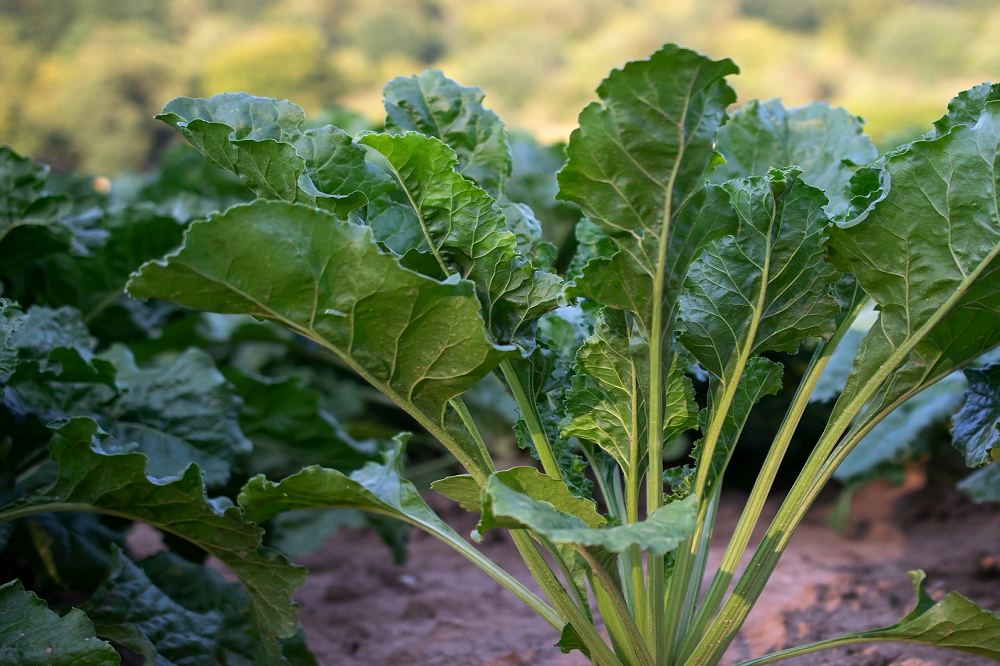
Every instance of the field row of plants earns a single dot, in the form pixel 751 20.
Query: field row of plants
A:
pixel 376 292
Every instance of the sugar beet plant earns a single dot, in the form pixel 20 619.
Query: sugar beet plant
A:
pixel 707 243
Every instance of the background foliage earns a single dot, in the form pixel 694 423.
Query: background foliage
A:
pixel 890 61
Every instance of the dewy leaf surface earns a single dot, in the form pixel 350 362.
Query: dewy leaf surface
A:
pixel 823 142
pixel 975 429
pixel 926 252
pixel 637 166
pixel 91 480
pixel 466 232
pixel 418 340
pixel 260 140
pixel 434 105
pixel 128 609
pixel 660 533
pixel 32 635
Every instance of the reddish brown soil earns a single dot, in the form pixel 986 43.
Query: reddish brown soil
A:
pixel 360 609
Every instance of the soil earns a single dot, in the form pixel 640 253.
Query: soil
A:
pixel 360 609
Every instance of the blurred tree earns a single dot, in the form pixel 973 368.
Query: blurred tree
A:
pixel 415 30
pixel 925 43
pixel 286 62
pixel 799 16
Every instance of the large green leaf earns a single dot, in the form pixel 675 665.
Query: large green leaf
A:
pixel 926 251
pixel 261 140
pixel 975 430
pixel 637 166
pixel 130 610
pixel 511 508
pixel 91 480
pixel 418 340
pixel 434 105
pixel 179 412
pixel 824 142
pixel 466 234
pixel 32 220
pixel 32 635
pixel 765 289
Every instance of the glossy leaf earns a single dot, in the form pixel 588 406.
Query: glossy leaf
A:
pixel 117 485
pixel 765 289
pixel 508 507
pixel 432 104
pixel 607 404
pixel 261 140
pixel 418 340
pixel 637 166
pixel 128 609
pixel 926 251
pixel 466 233
pixel 32 635
pixel 824 142
pixel 966 108
pixel 983 485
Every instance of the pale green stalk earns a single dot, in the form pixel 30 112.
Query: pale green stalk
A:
pixel 529 412
pixel 762 487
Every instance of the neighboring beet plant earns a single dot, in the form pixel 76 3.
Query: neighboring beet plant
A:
pixel 708 243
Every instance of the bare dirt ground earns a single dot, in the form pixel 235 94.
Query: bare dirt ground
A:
pixel 360 609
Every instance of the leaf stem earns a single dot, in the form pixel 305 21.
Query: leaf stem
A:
pixel 762 487
pixel 529 412
pixel 560 599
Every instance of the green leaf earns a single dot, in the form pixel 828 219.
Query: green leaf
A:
pixel 71 549
pixel 95 284
pixel 379 488
pixel 417 340
pixel 289 427
pixel 467 235
pixel 200 589
pixel 983 485
pixel 975 430
pixel 966 108
pixel 180 412
pixel 461 489
pixel 32 220
pixel 90 480
pixel 261 141
pixel 128 609
pixel 606 404
pixel 926 251
pixel 434 105
pixel 32 635
pixel 765 289
pixel 507 507
pixel 637 166
pixel 823 142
